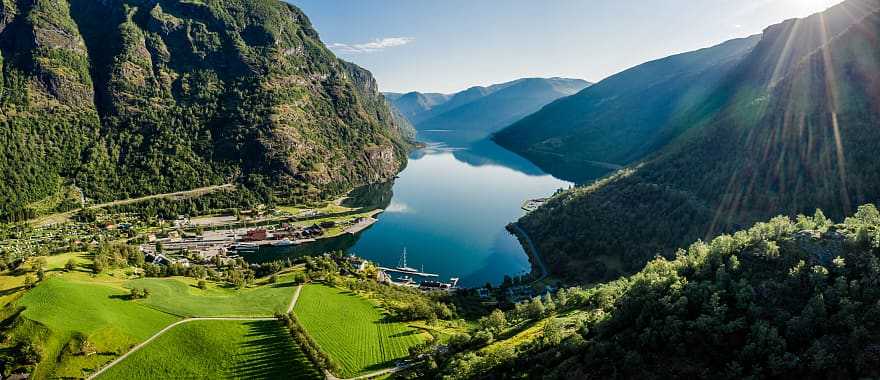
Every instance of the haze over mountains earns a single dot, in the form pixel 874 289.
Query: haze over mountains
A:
pixel 789 126
pixel 483 110
pixel 632 114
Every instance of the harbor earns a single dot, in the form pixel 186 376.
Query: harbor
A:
pixel 407 274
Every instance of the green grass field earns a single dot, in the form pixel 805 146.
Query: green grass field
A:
pixel 62 305
pixel 181 296
pixel 352 330
pixel 218 350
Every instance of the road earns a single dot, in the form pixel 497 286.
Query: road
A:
pixel 533 249
pixel 369 375
pixel 65 216
pixel 188 320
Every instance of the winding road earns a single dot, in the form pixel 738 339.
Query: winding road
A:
pixel 532 248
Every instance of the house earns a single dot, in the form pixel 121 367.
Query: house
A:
pixel 256 235
pixel 483 293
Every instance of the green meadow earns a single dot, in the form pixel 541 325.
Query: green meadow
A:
pixel 182 296
pixel 61 306
pixel 67 304
pixel 218 350
pixel 352 330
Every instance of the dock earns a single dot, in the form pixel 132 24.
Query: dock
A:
pixel 420 274
pixel 360 226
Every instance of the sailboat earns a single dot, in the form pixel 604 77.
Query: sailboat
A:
pixel 402 264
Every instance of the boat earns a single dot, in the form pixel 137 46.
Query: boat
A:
pixel 283 243
pixel 403 268
pixel 245 247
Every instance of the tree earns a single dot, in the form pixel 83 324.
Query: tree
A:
pixel 535 309
pixel 552 332
pixel 549 305
pixel 203 284
pixel 40 263
pixel 70 266
pixel 29 281
pixel 496 321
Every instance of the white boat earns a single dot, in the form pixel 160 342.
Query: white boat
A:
pixel 403 267
pixel 283 243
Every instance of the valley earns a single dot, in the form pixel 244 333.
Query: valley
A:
pixel 212 189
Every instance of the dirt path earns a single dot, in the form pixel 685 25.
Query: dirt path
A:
pixel 166 329
pixel 65 216
pixel 293 300
pixel 386 371
pixel 187 320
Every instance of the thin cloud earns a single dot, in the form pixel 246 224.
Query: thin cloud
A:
pixel 378 44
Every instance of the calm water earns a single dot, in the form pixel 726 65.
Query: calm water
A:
pixel 449 209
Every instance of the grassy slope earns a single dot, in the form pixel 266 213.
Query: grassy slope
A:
pixel 60 306
pixel 12 283
pixel 219 350
pixel 181 296
pixel 351 330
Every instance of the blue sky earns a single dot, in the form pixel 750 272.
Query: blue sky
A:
pixel 449 45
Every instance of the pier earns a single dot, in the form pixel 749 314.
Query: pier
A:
pixel 416 273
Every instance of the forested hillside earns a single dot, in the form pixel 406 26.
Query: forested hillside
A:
pixel 806 141
pixel 790 298
pixel 133 97
pixel 636 113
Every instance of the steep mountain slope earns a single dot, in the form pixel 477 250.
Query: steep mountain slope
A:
pixel 132 97
pixel 784 299
pixel 806 140
pixel 504 106
pixel 637 112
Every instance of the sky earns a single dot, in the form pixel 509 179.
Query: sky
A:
pixel 449 45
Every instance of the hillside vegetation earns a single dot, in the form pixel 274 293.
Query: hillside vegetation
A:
pixel 128 98
pixel 788 298
pixel 807 141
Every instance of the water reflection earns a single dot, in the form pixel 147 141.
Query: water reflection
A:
pixel 449 208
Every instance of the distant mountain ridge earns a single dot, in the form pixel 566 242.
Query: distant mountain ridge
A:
pixel 483 110
pixel 635 113
pixel 791 128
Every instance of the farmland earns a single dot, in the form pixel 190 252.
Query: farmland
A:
pixel 218 350
pixel 63 305
pixel 181 296
pixel 352 331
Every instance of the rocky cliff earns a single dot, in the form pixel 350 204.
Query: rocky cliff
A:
pixel 132 97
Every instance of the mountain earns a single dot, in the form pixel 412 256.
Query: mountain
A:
pixel 414 105
pixel 630 115
pixel 787 138
pixel 483 109
pixel 783 299
pixel 503 105
pixel 133 97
